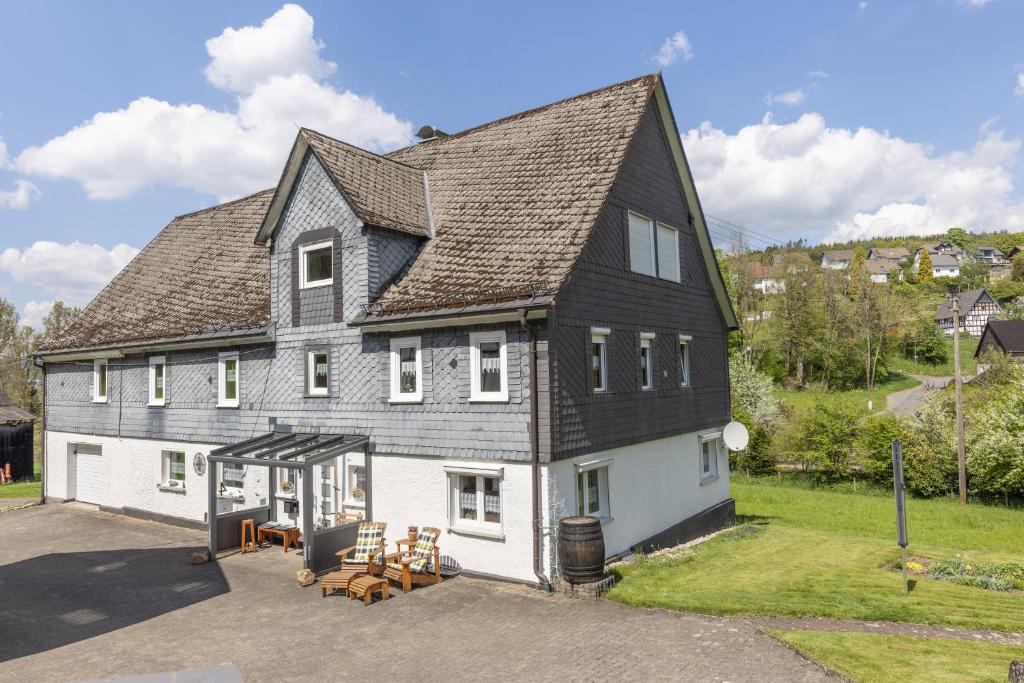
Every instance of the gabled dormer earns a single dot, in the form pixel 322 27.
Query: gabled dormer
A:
pixel 343 224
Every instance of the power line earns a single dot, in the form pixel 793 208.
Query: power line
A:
pixel 741 227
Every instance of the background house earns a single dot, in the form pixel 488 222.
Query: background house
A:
pixel 991 256
pixel 1005 336
pixel 976 307
pixel 765 279
pixel 837 259
pixel 883 270
pixel 896 255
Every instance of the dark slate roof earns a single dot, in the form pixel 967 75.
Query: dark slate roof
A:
pixel 514 201
pixel 944 260
pixel 201 273
pixel 383 192
pixel 12 413
pixel 1008 335
pixel 967 301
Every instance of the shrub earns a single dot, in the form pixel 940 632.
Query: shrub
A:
pixel 827 436
pixel 925 343
pixel 874 445
pixel 758 457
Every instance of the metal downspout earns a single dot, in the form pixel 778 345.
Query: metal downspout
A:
pixel 538 550
pixel 42 434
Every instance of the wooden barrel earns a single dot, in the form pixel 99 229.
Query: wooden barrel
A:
pixel 581 549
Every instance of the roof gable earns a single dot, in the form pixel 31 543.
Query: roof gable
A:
pixel 967 301
pixel 201 273
pixel 1007 335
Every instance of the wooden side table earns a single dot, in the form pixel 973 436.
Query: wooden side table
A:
pixel 365 586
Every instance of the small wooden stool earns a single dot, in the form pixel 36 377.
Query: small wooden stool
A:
pixel 249 536
pixel 364 587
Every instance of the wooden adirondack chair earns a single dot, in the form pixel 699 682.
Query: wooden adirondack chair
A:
pixel 369 544
pixel 421 566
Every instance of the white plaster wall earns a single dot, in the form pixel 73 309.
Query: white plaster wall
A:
pixel 651 487
pixel 410 490
pixel 133 473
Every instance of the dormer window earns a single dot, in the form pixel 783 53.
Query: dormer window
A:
pixel 315 264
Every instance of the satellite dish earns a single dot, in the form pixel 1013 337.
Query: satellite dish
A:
pixel 735 436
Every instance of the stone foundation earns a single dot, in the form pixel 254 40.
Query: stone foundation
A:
pixel 585 591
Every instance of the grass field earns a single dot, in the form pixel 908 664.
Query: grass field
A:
pixel 968 345
pixel 24 489
pixel 802 400
pixel 817 553
pixel 871 658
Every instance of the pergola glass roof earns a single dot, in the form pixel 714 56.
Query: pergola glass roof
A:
pixel 294 450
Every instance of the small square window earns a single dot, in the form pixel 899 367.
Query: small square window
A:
pixel 646 361
pixel 592 492
pixel 228 378
pixel 316 264
pixel 99 381
pixel 406 370
pixel 476 502
pixel 710 447
pixel 599 359
pixel 157 381
pixel 174 469
pixel 489 365
pixel 318 372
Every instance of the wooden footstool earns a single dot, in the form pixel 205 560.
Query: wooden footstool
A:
pixel 364 587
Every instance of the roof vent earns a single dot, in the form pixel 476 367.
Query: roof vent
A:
pixel 429 133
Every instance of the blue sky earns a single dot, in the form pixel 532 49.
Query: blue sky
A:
pixel 823 120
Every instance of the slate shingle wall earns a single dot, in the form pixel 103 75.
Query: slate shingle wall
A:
pixel 273 378
pixel 603 292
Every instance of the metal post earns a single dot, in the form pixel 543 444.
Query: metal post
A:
pixel 307 516
pixel 901 507
pixel 211 506
pixel 960 454
pixel 271 497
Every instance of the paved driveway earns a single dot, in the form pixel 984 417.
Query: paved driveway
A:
pixel 85 594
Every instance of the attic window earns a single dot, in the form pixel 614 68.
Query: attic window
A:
pixel 315 264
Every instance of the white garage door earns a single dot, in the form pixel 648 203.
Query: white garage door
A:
pixel 90 473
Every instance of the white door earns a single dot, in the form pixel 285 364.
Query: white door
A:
pixel 90 479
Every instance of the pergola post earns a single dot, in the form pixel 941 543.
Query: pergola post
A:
pixel 307 515
pixel 211 506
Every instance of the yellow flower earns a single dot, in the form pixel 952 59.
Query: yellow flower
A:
pixel 915 566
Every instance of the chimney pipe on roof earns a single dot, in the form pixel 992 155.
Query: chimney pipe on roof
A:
pixel 429 133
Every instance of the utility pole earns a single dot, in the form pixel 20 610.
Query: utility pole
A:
pixel 960 454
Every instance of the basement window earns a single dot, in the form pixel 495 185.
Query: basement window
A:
pixel 173 465
pixel 315 264
pixel 99 381
pixel 710 446
pixel 157 381
pixel 592 489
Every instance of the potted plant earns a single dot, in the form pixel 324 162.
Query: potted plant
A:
pixel 358 494
pixel 414 533
pixel 286 486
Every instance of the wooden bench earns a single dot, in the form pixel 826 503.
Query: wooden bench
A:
pixel 365 586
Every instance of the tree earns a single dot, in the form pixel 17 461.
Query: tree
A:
pixel 826 437
pixel 1017 266
pixel 58 319
pixel 959 237
pixel 798 318
pixel 858 274
pixel 924 267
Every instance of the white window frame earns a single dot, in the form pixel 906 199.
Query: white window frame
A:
pixel 475 394
pixel 598 335
pixel 684 359
pixel 674 251
pixel 654 250
pixel 396 371
pixel 475 527
pixel 311 388
pixel 350 482
pixel 604 487
pixel 304 281
pixel 712 474
pixel 222 360
pixel 96 396
pixel 155 361
pixel 165 470
pixel 231 489
pixel 647 342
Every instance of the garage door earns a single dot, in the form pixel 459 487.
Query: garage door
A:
pixel 90 473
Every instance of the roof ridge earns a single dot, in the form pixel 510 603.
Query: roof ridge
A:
pixel 653 77
pixel 222 205
pixel 303 130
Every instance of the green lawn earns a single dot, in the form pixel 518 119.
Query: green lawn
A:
pixel 871 658
pixel 816 553
pixel 968 345
pixel 26 489
pixel 802 400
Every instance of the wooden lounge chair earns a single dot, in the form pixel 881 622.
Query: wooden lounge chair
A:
pixel 369 544
pixel 421 566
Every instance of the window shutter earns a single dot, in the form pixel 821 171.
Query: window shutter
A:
pixel 641 245
pixel 668 253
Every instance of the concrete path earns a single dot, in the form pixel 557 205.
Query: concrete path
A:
pixel 885 628
pixel 909 401
pixel 87 594
pixel 11 503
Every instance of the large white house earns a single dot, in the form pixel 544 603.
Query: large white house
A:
pixel 484 332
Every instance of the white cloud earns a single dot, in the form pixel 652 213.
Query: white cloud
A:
pixel 33 313
pixel 277 71
pixel 1020 83
pixel 817 74
pixel 72 272
pixel 863 4
pixel 283 45
pixel 790 98
pixel 973 4
pixel 674 47
pixel 807 179
pixel 23 194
